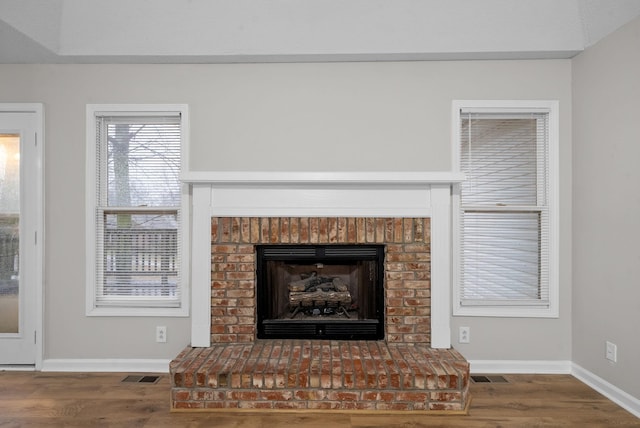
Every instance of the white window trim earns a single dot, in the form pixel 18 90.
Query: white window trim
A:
pixel 92 112
pixel 511 106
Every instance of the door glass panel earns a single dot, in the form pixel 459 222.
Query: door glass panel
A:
pixel 9 232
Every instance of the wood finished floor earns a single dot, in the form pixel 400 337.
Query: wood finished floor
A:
pixel 36 399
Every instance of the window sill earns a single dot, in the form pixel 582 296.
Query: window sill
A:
pixel 137 312
pixel 507 311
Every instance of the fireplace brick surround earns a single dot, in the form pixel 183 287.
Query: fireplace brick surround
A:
pixel 400 373
pixel 407 262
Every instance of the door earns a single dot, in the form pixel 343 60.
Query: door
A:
pixel 20 225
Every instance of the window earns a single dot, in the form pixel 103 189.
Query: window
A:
pixel 505 237
pixel 135 210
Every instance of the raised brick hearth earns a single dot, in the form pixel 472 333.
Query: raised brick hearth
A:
pixel 337 375
pixel 402 372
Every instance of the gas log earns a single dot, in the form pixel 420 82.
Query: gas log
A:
pixel 318 292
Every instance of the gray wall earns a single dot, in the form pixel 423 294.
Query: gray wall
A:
pixel 606 201
pixel 280 117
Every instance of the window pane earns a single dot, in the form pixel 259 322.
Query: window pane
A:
pixel 501 255
pixel 9 233
pixel 499 157
pixel 140 255
pixel 143 165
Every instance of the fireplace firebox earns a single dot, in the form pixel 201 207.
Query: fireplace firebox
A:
pixel 320 292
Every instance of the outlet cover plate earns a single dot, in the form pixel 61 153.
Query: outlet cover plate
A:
pixel 611 352
pixel 464 335
pixel 161 334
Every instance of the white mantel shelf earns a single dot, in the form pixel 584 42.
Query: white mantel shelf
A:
pixel 321 178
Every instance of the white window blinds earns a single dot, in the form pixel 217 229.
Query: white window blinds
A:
pixel 138 211
pixel 504 209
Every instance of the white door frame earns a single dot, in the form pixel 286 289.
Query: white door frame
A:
pixel 37 207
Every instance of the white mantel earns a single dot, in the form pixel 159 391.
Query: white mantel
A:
pixel 331 194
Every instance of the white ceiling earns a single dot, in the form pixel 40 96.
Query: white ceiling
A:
pixel 212 31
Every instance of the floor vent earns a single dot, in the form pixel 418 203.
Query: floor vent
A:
pixel 488 379
pixel 141 379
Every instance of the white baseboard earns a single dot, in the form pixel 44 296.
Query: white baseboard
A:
pixel 520 366
pixel 106 365
pixel 17 368
pixel 612 392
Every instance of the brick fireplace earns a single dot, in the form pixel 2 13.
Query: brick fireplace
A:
pixel 230 368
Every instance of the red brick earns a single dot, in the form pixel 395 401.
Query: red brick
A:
pixel 224 338
pixel 393 406
pixel 245 229
pixel 439 406
pixel 314 229
pixel 239 275
pixel 264 230
pixel 187 405
pixel 289 404
pixel 323 405
pixel 351 230
pixel 218 294
pixel 445 396
pixel 241 258
pixel 255 405
pixel 401 293
pixel 223 267
pixel 284 230
pixel 360 230
pixel 337 395
pixel 408 230
pixel 416 302
pixel 304 230
pixel 276 395
pixel 310 394
pixel 214 405
pixel 274 230
pixel 242 395
pixel 323 230
pixel 341 233
pixel 240 293
pixel 217 276
pixel 421 285
pixel 412 396
pixel 224 249
pixel 402 311
pixel 378 396
pixel 255 229
pixel 214 229
pixel 370 228
pixel 294 230
pixel 405 278
pixel 224 320
pixel 181 395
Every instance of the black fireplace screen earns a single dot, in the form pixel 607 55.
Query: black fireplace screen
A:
pixel 320 291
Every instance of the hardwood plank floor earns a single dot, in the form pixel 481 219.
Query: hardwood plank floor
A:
pixel 36 399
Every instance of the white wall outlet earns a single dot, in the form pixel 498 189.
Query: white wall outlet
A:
pixel 464 335
pixel 161 334
pixel 611 352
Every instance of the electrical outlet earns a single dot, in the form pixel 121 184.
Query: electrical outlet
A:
pixel 161 334
pixel 611 352
pixel 464 335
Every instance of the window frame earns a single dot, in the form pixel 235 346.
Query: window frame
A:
pixel 551 108
pixel 93 111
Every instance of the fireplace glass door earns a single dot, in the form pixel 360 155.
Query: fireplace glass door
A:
pixel 320 291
